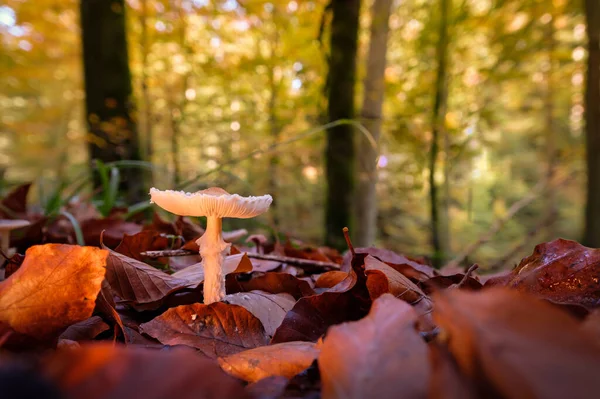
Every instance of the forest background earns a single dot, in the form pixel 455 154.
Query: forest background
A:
pixel 466 128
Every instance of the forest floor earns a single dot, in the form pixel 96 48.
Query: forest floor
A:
pixel 123 317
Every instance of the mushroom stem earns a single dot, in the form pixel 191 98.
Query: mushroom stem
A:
pixel 5 241
pixel 213 251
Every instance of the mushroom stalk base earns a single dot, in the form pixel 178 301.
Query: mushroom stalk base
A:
pixel 213 251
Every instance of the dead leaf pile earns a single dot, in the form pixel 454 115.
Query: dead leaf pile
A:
pixel 115 323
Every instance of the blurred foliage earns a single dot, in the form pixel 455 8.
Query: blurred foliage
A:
pixel 216 77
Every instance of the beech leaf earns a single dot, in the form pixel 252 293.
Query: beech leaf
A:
pixel 218 329
pixel 380 356
pixel 286 360
pixel 270 309
pixel 56 286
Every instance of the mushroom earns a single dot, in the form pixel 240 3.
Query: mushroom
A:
pixel 214 203
pixel 6 225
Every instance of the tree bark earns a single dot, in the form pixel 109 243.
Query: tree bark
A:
pixel 592 125
pixel 112 133
pixel 340 153
pixel 374 86
pixel 438 241
pixel 551 206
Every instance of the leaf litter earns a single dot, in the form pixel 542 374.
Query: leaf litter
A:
pixel 112 323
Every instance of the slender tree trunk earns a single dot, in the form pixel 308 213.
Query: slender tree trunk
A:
pixel 438 119
pixel 592 125
pixel 147 115
pixel 551 209
pixel 374 84
pixel 112 133
pixel 339 154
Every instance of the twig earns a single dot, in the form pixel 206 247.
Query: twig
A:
pixel 499 223
pixel 276 258
pixel 463 281
pixel 348 241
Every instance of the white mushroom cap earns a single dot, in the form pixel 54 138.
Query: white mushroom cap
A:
pixel 213 201
pixel 9 224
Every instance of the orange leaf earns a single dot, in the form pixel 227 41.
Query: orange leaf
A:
pixel 286 360
pixel 55 287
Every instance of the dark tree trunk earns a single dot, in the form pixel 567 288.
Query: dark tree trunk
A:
pixel 112 131
pixel 339 154
pixel 592 125
pixel 438 241
pixel 374 83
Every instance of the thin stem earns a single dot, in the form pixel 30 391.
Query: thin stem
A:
pixel 213 251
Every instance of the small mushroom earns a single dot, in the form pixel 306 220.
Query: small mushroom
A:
pixel 6 225
pixel 214 203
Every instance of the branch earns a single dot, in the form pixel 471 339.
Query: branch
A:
pixel 302 263
pixel 538 190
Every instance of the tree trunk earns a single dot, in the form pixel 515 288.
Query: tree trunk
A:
pixel 374 86
pixel 550 150
pixel 146 129
pixel 339 154
pixel 592 125
pixel 112 134
pixel 439 245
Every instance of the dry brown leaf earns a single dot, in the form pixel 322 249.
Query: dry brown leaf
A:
pixel 446 380
pixel 382 278
pixel 137 283
pixel 275 283
pixel 520 346
pixel 101 371
pixel 330 279
pixel 270 309
pixel 133 245
pixel 56 286
pixel 561 271
pixel 218 329
pixel 85 330
pixel 380 356
pixel 286 360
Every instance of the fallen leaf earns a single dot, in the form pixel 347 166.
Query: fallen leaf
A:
pixel 16 202
pixel 311 316
pixel 107 231
pixel 139 284
pixel 561 271
pixel 446 380
pixel 268 388
pixel 275 283
pixel 270 309
pixel 393 259
pixel 188 229
pixel 591 325
pixel 218 329
pixel 85 330
pixel 380 356
pixel 382 278
pixel 286 360
pixel 518 345
pixel 133 245
pixel 444 282
pixel 330 279
pixel 55 287
pixel 101 370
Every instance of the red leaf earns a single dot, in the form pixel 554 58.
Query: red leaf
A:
pixel 561 271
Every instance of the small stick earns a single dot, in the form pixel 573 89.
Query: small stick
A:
pixel 283 259
pixel 348 241
pixel 467 275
